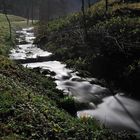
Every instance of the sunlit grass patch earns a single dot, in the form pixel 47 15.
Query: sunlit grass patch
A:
pixel 12 18
pixel 5 42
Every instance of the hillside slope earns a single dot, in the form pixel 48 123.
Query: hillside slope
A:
pixel 111 49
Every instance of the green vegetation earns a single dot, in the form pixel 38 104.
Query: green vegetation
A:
pixel 11 18
pixel 111 50
pixel 5 43
pixel 30 105
pixel 27 110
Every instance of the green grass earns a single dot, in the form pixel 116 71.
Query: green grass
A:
pixel 5 43
pixel 12 18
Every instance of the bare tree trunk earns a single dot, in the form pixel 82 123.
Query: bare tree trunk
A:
pixel 10 27
pixel 32 11
pixel 84 20
pixel 28 11
pixel 9 23
pixel 28 15
pixel 89 3
pixel 44 11
pixel 106 5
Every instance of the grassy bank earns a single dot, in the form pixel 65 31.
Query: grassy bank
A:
pixel 30 105
pixel 5 42
pixel 111 50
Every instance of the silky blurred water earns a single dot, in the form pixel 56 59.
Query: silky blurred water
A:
pixel 117 112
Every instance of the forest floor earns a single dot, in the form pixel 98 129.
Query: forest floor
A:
pixel 30 104
pixel 111 49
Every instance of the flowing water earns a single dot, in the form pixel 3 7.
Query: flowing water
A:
pixel 117 112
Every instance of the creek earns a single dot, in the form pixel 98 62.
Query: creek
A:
pixel 117 112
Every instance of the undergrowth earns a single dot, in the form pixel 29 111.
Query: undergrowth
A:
pixel 111 49
pixel 30 106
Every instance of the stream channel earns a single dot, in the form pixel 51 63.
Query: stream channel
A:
pixel 117 112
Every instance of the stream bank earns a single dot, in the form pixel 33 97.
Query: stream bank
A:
pixel 117 112
pixel 28 105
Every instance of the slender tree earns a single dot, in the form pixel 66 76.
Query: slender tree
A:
pixel 28 11
pixel 106 5
pixel 89 3
pixel 84 20
pixel 8 20
pixel 44 11
pixel 32 11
